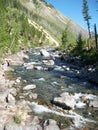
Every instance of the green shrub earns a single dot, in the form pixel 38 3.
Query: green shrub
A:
pixel 17 119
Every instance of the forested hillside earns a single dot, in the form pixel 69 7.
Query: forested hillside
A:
pixel 16 33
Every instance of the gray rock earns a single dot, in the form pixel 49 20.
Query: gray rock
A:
pixel 44 53
pixel 13 126
pixel 30 67
pixel 51 125
pixel 38 67
pixel 3 97
pixel 41 79
pixel 11 99
pixel 48 62
pixel 13 91
pixel 66 102
pixel 94 103
pixel 36 120
pixel 33 95
pixel 9 83
pixel 36 127
pixel 29 87
pixel 17 59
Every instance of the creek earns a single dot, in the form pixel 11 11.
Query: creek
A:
pixel 52 77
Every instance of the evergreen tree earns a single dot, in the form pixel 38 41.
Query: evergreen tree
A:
pixel 86 15
pixel 67 39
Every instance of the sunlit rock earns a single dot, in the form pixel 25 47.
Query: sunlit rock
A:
pixel 66 102
pixel 33 95
pixel 38 67
pixel 48 62
pixel 44 53
pixel 51 125
pixel 30 67
pixel 29 87
pixel 11 99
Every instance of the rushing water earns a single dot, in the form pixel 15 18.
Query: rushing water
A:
pixel 52 80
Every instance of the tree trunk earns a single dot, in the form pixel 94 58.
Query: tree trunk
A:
pixel 96 40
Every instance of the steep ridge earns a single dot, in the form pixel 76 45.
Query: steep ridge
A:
pixel 51 19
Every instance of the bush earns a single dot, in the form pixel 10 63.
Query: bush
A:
pixel 17 119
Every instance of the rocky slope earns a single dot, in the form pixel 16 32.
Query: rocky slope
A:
pixel 54 21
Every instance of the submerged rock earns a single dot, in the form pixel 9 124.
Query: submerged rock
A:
pixel 29 87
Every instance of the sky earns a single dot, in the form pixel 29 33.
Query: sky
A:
pixel 73 10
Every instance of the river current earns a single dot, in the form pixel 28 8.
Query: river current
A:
pixel 52 77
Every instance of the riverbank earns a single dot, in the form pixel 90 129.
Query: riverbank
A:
pixel 19 114
pixel 90 71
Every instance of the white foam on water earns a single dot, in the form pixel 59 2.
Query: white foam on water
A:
pixel 78 120
pixel 39 108
pixel 36 53
pixel 90 96
pixel 30 63
pixel 80 105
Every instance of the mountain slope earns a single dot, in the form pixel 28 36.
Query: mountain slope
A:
pixel 16 32
pixel 51 19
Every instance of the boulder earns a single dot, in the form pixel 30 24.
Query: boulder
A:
pixel 30 67
pixel 44 53
pixel 66 102
pixel 3 97
pixel 94 103
pixel 36 120
pixel 33 95
pixel 12 91
pixel 16 59
pixel 48 62
pixel 51 125
pixel 38 67
pixel 10 99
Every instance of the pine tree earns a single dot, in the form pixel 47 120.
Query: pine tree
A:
pixel 86 15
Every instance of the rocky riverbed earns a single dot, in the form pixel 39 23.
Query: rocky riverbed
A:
pixel 40 91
